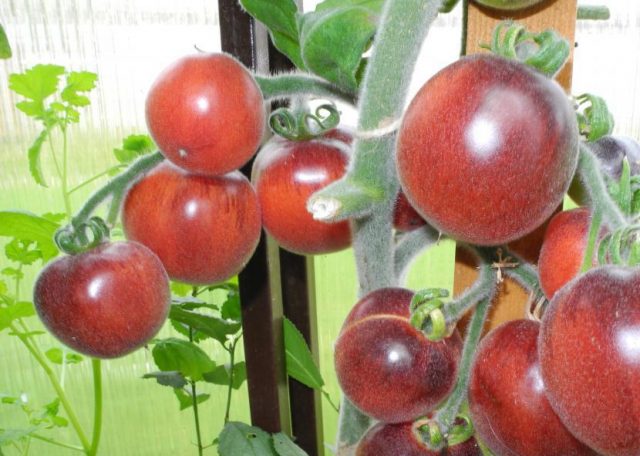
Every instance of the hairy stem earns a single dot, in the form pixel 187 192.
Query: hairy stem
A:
pixel 96 366
pixel 283 86
pixel 95 178
pixel 410 245
pixel 56 443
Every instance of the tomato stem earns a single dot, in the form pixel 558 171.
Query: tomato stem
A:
pixel 593 12
pixel 594 229
pixel 410 245
pixel 96 366
pixel 283 86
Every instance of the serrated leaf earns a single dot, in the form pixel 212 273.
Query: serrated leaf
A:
pixel 78 82
pixel 55 355
pixel 214 327
pixel 19 251
pixel 186 400
pixel 35 165
pixel 5 48
pixel 299 361
pixel 173 379
pixel 220 375
pixel 280 18
pixel 37 83
pixel 134 146
pixel 182 356
pixel 284 446
pixel 350 29
pixel 241 439
pixel 20 309
pixel 27 226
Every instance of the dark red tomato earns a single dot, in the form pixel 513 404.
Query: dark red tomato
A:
pixel 405 217
pixel 285 174
pixel 205 112
pixel 402 440
pixel 203 228
pixel 487 149
pixel 106 302
pixel 589 348
pixel 386 367
pixel 509 5
pixel 563 249
pixel 509 408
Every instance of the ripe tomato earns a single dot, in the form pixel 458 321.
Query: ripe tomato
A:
pixel 105 302
pixel 386 367
pixel 509 408
pixel 563 249
pixel 487 149
pixel 509 5
pixel 589 348
pixel 285 174
pixel 405 217
pixel 204 229
pixel 205 112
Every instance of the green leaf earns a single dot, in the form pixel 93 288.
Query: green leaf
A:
pixel 19 251
pixel 35 165
pixel 27 226
pixel 181 289
pixel 36 84
pixel 241 439
pixel 349 29
pixel 55 217
pixel 231 309
pixel 3 287
pixel 183 356
pixel 173 379
pixel 55 356
pixel 186 399
pixel 221 375
pixel 20 309
pixel 134 146
pixel 214 327
pixel 280 18
pixel 5 48
pixel 374 6
pixel 284 446
pixel 299 361
pixel 78 82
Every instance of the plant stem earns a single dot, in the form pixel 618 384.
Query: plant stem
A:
pixel 56 443
pixel 194 392
pixel 95 178
pixel 593 12
pixel 65 173
pixel 232 355
pixel 286 85
pixel 96 365
pixel 410 245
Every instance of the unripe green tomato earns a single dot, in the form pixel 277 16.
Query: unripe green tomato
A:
pixel 508 5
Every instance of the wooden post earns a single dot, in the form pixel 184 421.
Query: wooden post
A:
pixel 559 15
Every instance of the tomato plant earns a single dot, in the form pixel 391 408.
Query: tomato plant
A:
pixel 405 217
pixel 183 217
pixel 205 113
pixel 105 302
pixel 509 5
pixel 480 125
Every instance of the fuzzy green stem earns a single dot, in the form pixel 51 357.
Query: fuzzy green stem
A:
pixel 117 185
pixel 96 366
pixel 445 417
pixel 56 442
pixel 593 12
pixel 598 193
pixel 232 355
pixel 410 245
pixel 525 274
pixel 96 177
pixel 594 229
pixel 282 87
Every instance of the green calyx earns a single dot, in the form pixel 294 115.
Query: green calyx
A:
pixel 77 238
pixel 459 433
pixel 594 118
pixel 427 313
pixel 301 125
pixel 545 51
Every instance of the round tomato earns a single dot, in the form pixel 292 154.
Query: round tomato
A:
pixel 105 302
pixel 405 217
pixel 285 174
pixel 589 348
pixel 487 149
pixel 204 229
pixel 205 112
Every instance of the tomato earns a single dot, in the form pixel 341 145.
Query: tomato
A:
pixel 386 367
pixel 401 439
pixel 105 302
pixel 487 149
pixel 205 112
pixel 509 5
pixel 285 174
pixel 405 217
pixel 563 249
pixel 507 401
pixel 204 229
pixel 589 348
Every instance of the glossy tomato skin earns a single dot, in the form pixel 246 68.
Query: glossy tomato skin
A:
pixel 205 112
pixel 204 229
pixel 387 368
pixel 405 217
pixel 508 5
pixel 285 174
pixel 589 358
pixel 563 249
pixel 487 149
pixel 507 401
pixel 106 302
pixel 401 440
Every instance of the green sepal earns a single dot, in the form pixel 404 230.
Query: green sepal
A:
pixel 596 120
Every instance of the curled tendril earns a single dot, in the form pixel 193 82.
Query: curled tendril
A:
pixel 546 51
pixel 459 433
pixel 79 237
pixel 594 118
pixel 622 247
pixel 427 313
pixel 304 125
